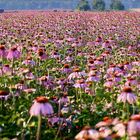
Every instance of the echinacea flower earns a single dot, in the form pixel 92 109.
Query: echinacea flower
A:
pixel 42 55
pixel 106 44
pixel 80 84
pixel 4 94
pixel 109 83
pixel 87 134
pixel 2 51
pixel 13 53
pixel 21 85
pixel 55 120
pixel 69 59
pixel 131 81
pixel 6 69
pixel 106 122
pixel 41 107
pixel 120 129
pixel 64 99
pixel 98 61
pixel 127 96
pixel 127 66
pixel 66 69
pixel 29 90
pixel 93 78
pixel 29 61
pixel 55 55
pixel 104 132
pixel 76 74
pixel 65 109
pixel 134 125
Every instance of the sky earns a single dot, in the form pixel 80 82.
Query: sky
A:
pixel 55 4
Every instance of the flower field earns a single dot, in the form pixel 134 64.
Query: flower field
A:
pixel 69 75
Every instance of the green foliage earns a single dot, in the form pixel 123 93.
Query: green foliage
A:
pixel 83 5
pixel 99 5
pixel 116 5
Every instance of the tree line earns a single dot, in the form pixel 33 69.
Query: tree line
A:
pixel 99 5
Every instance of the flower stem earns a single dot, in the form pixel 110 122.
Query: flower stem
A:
pixel 2 105
pixel 128 112
pixel 133 106
pixel 38 128
pixel 58 130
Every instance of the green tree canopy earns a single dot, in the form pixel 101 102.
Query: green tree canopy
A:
pixel 116 5
pixel 83 5
pixel 99 5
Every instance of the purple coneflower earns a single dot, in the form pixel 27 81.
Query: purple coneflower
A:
pixel 76 74
pixel 66 69
pixel 98 61
pixel 93 77
pixel 54 120
pixel 2 51
pixel 127 66
pixel 131 81
pixel 41 107
pixel 46 82
pixel 69 58
pixel 64 99
pixel 80 84
pixel 91 63
pixel 109 83
pixel 6 69
pixel 127 96
pixel 116 77
pixel 87 134
pixel 29 75
pixel 29 90
pixel 4 95
pixel 106 122
pixel 42 55
pixel 134 125
pixel 29 61
pixel 106 44
pixel 21 85
pixel 104 132
pixel 120 129
pixel 55 55
pixel 13 53
pixel 111 69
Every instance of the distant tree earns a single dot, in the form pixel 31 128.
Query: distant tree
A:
pixel 116 5
pixel 1 10
pixel 99 5
pixel 83 5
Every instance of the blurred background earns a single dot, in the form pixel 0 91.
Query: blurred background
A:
pixel 69 4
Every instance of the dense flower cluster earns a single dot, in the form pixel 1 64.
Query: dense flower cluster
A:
pixel 76 68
